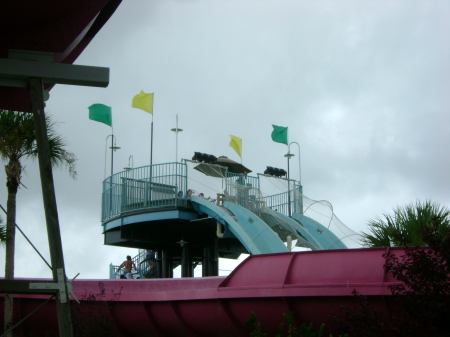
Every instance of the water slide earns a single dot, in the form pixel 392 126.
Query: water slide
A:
pixel 292 224
pixel 310 284
pixel 255 235
pixel 321 234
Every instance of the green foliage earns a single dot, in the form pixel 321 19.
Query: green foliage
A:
pixel 424 292
pixel 406 225
pixel 16 135
pixel 365 320
pixel 18 140
pixel 422 305
pixel 2 232
pixel 94 316
pixel 286 328
pixel 255 326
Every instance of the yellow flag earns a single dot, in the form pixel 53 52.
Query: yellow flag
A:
pixel 236 144
pixel 143 101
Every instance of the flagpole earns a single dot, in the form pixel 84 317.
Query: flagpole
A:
pixel 151 143
pixel 241 151
pixel 151 136
pixel 112 150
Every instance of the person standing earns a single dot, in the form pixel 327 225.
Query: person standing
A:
pixel 127 265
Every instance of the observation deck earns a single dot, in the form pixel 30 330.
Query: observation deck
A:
pixel 147 208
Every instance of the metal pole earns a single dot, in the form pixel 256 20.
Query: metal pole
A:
pixel 289 186
pixel 289 155
pixel 300 176
pixel 176 130
pixel 50 208
pixel 299 164
pixel 151 164
pixel 112 154
pixel 151 143
pixel 176 140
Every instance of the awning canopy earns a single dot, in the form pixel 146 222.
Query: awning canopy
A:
pixel 61 27
pixel 221 166
pixel 211 170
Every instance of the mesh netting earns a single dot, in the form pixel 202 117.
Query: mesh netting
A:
pixel 323 215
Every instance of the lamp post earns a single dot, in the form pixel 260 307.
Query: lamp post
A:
pixel 299 166
pixel 299 173
pixel 176 130
pixel 113 148
pixel 130 166
pixel 288 156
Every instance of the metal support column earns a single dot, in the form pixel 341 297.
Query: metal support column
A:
pixel 215 258
pixel 206 262
pixel 185 262
pixel 164 264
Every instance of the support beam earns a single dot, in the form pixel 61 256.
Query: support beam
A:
pixel 215 262
pixel 206 262
pixel 164 264
pixel 17 73
pixel 23 287
pixel 185 262
pixel 49 199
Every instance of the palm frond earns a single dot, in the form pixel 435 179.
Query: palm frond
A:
pixel 2 232
pixel 18 140
pixel 406 225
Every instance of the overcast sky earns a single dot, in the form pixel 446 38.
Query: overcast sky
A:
pixel 363 87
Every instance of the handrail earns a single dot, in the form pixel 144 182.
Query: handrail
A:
pixel 143 188
pixel 163 185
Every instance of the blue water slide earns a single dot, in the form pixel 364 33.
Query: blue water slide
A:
pixel 290 223
pixel 326 238
pixel 251 231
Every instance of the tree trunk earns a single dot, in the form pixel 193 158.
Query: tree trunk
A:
pixel 13 172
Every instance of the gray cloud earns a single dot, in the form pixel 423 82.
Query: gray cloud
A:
pixel 362 86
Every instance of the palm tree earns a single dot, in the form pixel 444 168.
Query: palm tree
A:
pixel 18 142
pixel 405 226
pixel 2 232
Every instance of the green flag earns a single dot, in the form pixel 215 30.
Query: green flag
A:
pixel 280 134
pixel 100 113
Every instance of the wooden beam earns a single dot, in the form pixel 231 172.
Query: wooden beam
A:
pixel 17 73
pixel 23 287
pixel 51 211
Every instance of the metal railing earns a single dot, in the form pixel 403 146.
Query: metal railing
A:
pixel 280 202
pixel 245 191
pixel 141 266
pixel 165 185
pixel 145 187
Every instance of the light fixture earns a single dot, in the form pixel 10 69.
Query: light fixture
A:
pixel 289 155
pixel 182 243
pixel 130 163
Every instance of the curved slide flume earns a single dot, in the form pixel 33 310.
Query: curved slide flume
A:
pixel 290 222
pixel 326 238
pixel 251 231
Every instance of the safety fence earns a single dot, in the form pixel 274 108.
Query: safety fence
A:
pixel 165 185
pixel 145 187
